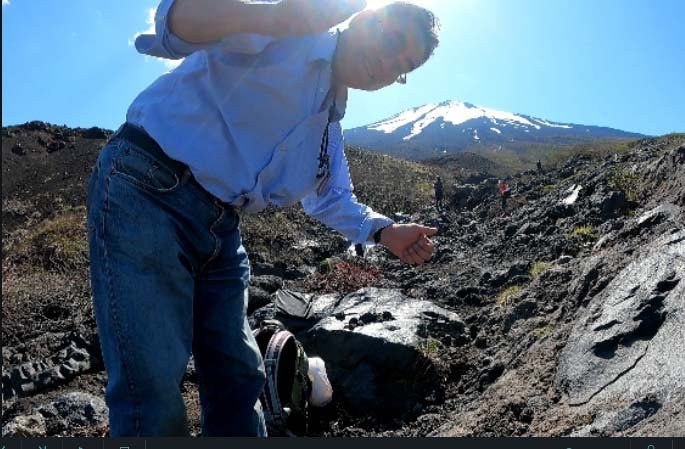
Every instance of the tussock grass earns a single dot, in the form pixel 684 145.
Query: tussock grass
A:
pixel 538 268
pixel 58 244
pixel 627 182
pixel 585 233
pixel 507 294
pixel 542 332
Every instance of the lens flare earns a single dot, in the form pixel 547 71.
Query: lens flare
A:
pixel 375 4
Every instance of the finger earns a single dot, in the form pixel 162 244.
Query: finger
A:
pixel 426 243
pixel 426 252
pixel 428 231
pixel 411 257
pixel 406 258
pixel 415 257
pixel 423 253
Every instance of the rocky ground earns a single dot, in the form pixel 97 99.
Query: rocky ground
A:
pixel 561 315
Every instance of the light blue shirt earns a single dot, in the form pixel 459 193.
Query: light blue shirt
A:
pixel 247 115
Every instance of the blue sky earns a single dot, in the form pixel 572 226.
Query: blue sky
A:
pixel 617 63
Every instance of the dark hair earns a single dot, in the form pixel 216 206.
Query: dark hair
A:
pixel 425 19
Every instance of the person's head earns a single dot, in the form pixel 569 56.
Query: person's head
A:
pixel 382 45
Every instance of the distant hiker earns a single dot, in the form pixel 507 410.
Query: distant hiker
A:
pixel 539 165
pixel 504 192
pixel 439 191
pixel 359 250
pixel 250 117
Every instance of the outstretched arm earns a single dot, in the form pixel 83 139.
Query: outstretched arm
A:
pixel 202 21
pixel 339 208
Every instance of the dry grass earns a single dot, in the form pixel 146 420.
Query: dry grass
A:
pixel 57 244
pixel 508 294
pixel 585 233
pixel 538 268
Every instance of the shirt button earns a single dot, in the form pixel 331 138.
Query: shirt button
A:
pixel 283 148
pixel 321 89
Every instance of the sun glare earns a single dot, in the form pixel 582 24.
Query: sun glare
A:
pixel 375 4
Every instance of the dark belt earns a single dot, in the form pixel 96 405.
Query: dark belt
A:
pixel 141 139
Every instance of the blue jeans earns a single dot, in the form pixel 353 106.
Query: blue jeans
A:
pixel 169 276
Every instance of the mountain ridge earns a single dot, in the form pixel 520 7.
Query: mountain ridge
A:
pixel 430 130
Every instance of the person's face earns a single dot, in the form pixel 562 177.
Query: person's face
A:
pixel 377 49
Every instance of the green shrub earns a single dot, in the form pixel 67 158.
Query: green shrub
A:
pixel 627 182
pixel 507 294
pixel 542 332
pixel 585 233
pixel 546 190
pixel 538 268
pixel 430 347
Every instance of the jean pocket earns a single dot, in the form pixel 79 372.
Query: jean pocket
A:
pixel 143 170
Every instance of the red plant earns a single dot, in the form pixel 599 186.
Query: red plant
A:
pixel 343 277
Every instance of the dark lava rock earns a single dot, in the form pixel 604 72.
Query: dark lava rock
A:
pixel 257 298
pixel 624 341
pixel 268 283
pixel 517 269
pixel 529 228
pixel 611 422
pixel 265 268
pixel 55 145
pixel 610 203
pixel 381 339
pixel 510 230
pixel 560 211
pixel 96 133
pixel 490 374
pixel 77 357
pixel 26 426
pixel 74 410
pixel 36 126
pixel 660 214
pixel 18 150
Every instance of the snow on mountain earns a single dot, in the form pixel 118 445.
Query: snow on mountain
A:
pixel 456 113
pixel 452 126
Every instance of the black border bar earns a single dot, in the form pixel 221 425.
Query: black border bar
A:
pixel 343 443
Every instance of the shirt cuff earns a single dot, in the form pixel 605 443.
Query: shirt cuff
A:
pixel 164 43
pixel 370 225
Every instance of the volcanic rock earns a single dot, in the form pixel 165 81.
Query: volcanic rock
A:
pixel 373 340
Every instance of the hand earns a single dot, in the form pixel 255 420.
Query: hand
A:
pixel 409 242
pixel 302 17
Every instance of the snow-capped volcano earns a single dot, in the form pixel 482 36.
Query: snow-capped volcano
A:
pixel 453 126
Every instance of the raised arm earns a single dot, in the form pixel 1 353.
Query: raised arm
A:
pixel 201 21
